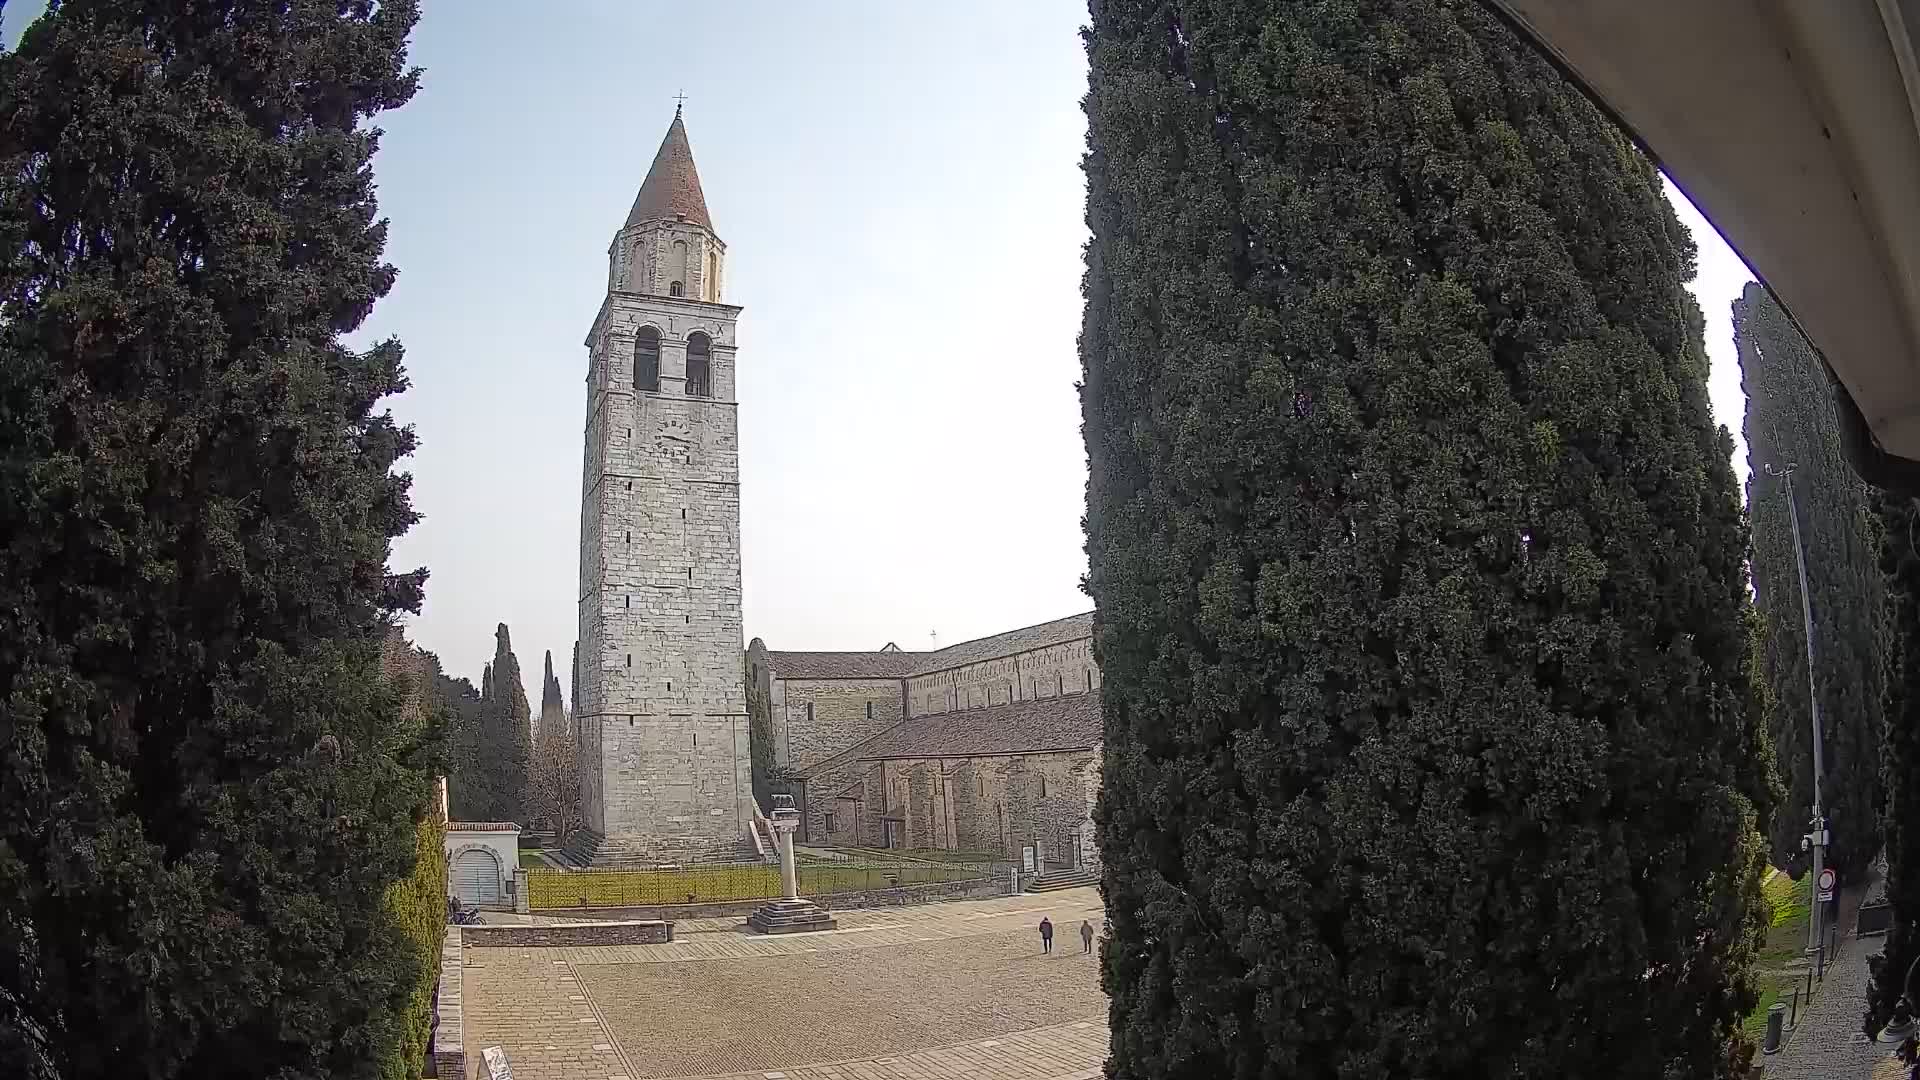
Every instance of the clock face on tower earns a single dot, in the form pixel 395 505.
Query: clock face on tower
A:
pixel 674 440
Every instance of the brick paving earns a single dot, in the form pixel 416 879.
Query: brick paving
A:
pixel 1828 1044
pixel 941 991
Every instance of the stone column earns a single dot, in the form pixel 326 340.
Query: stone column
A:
pixel 785 821
pixel 789 914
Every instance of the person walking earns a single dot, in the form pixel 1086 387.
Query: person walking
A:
pixel 1046 934
pixel 1086 936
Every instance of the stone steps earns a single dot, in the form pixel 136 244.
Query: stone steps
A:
pixel 1055 880
pixel 791 917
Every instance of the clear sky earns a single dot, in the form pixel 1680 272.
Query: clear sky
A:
pixel 898 185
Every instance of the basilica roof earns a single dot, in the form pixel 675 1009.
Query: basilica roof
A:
pixel 1068 722
pixel 895 664
pixel 842 665
pixel 672 187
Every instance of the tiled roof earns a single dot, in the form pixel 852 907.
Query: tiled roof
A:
pixel 841 665
pixel 894 664
pixel 672 187
pixel 1069 722
pixel 1025 639
pixel 482 826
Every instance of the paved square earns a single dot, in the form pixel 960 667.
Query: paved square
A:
pixel 946 990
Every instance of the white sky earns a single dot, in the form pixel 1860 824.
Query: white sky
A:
pixel 899 188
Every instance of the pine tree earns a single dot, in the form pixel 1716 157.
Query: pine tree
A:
pixel 206 787
pixel 1418 563
pixel 1791 421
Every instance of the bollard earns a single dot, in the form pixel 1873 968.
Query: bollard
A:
pixel 1793 1017
pixel 1776 1013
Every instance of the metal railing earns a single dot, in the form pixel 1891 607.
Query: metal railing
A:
pixel 711 883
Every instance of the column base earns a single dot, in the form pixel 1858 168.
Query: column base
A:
pixel 791 917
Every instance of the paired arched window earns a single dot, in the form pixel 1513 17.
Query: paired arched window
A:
pixel 646 360
pixel 699 366
pixel 674 288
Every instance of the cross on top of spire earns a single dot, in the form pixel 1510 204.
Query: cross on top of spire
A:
pixel 679 100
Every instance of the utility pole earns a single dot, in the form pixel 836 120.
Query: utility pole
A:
pixel 1815 841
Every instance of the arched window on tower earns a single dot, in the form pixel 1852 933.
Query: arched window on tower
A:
pixel 646 360
pixel 677 269
pixel 699 366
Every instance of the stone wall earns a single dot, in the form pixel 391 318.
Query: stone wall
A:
pixel 570 935
pixel 814 719
pixel 1066 668
pixel 996 804
pixel 449 1029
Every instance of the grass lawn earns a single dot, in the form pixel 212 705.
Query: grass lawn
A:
pixel 548 889
pixel 530 859
pixel 1786 944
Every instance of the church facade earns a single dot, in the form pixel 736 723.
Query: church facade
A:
pixel 988 746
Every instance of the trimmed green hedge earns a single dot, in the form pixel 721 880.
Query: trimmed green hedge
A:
pixel 417 907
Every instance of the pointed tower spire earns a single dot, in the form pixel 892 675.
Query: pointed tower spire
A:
pixel 672 187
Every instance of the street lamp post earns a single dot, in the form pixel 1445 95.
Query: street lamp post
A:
pixel 1815 841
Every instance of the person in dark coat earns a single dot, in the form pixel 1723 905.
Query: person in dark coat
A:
pixel 1086 936
pixel 1046 934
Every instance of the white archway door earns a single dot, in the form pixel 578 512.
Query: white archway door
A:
pixel 476 877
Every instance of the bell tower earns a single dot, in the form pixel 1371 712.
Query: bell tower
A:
pixel 660 714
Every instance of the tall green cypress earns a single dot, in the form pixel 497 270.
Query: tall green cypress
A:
pixel 1791 421
pixel 506 750
pixel 1900 749
pixel 1418 562
pixel 206 788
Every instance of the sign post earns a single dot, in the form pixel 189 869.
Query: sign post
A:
pixel 1823 891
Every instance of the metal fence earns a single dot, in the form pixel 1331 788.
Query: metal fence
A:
pixel 720 882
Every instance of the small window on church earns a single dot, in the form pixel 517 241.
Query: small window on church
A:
pixel 1089 678
pixel 829 821
pixel 869 710
pixel 1043 785
pixel 699 366
pixel 676 289
pixel 646 360
pixel 809 712
pixel 1059 685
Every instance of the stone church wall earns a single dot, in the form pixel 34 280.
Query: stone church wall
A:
pixel 814 719
pixel 1039 673
pixel 995 804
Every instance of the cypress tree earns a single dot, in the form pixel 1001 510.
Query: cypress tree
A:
pixel 1900 563
pixel 1418 563
pixel 1791 420
pixel 206 786
pixel 506 751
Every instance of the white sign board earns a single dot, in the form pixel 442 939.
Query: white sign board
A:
pixel 1026 858
pixel 496 1062
pixel 1826 883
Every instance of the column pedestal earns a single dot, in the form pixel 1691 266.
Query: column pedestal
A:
pixel 791 914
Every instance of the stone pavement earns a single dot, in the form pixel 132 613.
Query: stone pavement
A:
pixel 1828 1044
pixel 942 991
pixel 1065 1052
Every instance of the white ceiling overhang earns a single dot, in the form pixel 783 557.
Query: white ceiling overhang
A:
pixel 1791 124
